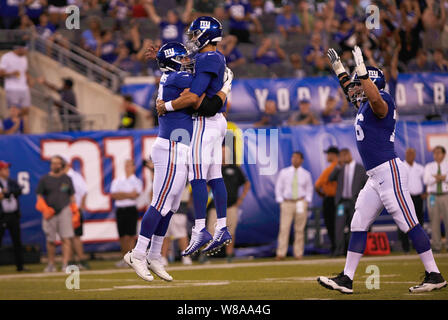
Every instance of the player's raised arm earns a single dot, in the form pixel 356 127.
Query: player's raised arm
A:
pixel 339 70
pixel 378 105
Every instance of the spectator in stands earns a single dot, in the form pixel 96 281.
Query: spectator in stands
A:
pixel 240 14
pixel 45 28
pixel 440 64
pixel 421 63
pixel 433 20
pixel 327 190
pixel 204 7
pixel 129 113
pixel 228 48
pixel 351 178
pixel 321 67
pixel 416 188
pixel 125 191
pixel 120 10
pixel 294 193
pixel 10 191
pixel 27 26
pixel 436 181
pixel 314 50
pixel 296 63
pixel 234 179
pixel 409 30
pixel 171 27
pixel 92 35
pixel 345 35
pixel 106 47
pixel 331 113
pixel 56 10
pixel 9 14
pixel 14 123
pixel 177 229
pixel 304 16
pixel 288 24
pixel 80 188
pixel 14 69
pixel 56 202
pixel 126 61
pixel 304 115
pixel 67 105
pixel 138 9
pixel 269 52
pixel 270 117
pixel 262 7
pixel 34 9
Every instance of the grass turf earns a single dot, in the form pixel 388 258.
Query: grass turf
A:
pixel 242 280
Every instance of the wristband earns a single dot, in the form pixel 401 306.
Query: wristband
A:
pixel 169 106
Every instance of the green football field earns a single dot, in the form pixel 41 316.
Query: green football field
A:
pixel 219 280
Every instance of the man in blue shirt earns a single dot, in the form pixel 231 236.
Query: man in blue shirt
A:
pixel 240 14
pixel 171 27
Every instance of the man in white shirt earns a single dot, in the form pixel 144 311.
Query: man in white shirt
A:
pixel 436 181
pixel 125 191
pixel 80 186
pixel 416 189
pixel 14 70
pixel 294 192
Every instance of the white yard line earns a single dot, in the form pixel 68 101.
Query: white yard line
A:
pixel 225 266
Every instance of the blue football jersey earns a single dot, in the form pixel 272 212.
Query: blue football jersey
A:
pixel 208 74
pixel 374 136
pixel 171 86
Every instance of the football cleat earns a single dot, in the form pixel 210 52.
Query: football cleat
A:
pixel 197 241
pixel 222 237
pixel 432 281
pixel 158 268
pixel 139 266
pixel 341 283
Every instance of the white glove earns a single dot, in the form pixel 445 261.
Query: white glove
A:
pixel 336 63
pixel 228 78
pixel 360 68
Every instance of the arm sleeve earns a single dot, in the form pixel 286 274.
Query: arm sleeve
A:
pixel 210 106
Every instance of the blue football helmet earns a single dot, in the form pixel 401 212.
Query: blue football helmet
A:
pixel 203 31
pixel 356 93
pixel 170 58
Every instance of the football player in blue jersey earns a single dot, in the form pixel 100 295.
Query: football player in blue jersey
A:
pixel 208 134
pixel 387 185
pixel 170 154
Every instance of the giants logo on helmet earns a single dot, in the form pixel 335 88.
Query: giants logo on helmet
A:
pixel 373 74
pixel 205 25
pixel 169 52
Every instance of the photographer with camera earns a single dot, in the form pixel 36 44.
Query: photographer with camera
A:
pixel 10 212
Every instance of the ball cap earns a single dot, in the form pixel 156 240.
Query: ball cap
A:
pixel 4 164
pixel 332 149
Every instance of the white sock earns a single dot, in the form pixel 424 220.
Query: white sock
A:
pixel 139 251
pixel 155 250
pixel 428 261
pixel 221 223
pixel 199 224
pixel 351 263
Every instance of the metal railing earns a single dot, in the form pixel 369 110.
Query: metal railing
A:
pixel 62 116
pixel 69 55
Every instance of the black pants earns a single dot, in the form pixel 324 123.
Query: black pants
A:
pixel 403 237
pixel 329 213
pixel 11 221
pixel 127 221
pixel 242 35
pixel 343 219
